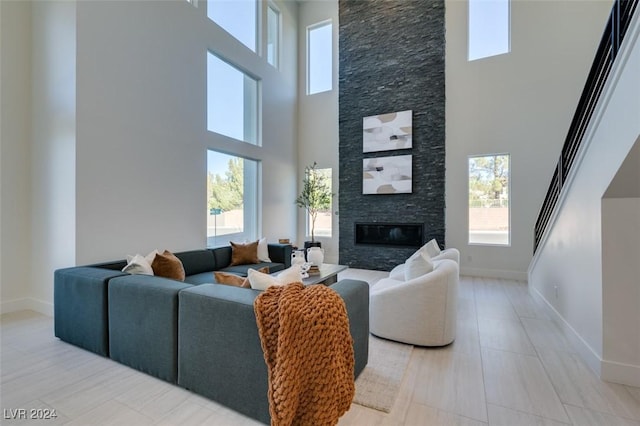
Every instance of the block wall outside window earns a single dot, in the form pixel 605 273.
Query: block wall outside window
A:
pixel 489 195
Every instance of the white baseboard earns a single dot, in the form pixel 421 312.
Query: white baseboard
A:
pixel 617 372
pixel 587 354
pixel 27 304
pixel 494 273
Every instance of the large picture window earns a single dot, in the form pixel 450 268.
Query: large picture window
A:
pixel 319 58
pixel 232 101
pixel 232 199
pixel 489 194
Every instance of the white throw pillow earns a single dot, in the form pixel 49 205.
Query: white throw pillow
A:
pixel 263 250
pixel 138 264
pixel 262 281
pixel 432 248
pixel 417 266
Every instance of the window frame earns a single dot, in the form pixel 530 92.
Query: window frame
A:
pixel 509 199
pixel 310 28
pixel 256 33
pixel 308 218
pixel 469 35
pixel 271 6
pixel 251 211
pixel 255 110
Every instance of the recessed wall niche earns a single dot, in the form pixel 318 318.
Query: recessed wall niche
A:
pixel 391 59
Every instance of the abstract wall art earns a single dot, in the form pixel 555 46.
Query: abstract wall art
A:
pixel 387 175
pixel 386 132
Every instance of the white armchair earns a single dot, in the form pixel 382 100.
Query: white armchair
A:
pixel 421 311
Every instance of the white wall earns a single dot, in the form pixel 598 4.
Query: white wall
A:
pixel 142 148
pixel 519 103
pixel 53 149
pixel 15 135
pixel 117 149
pixel 570 257
pixel 318 119
pixel 620 289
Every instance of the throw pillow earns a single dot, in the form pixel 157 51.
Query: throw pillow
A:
pixel 138 264
pixel 231 279
pixel 227 278
pixel 432 248
pixel 263 250
pixel 244 254
pixel 260 281
pixel 167 265
pixel 417 266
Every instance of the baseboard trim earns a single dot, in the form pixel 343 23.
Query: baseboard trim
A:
pixel 586 352
pixel 617 372
pixel 494 273
pixel 27 304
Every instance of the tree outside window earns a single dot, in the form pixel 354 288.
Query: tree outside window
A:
pixel 489 210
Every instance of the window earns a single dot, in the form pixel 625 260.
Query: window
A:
pixel 319 58
pixel 232 101
pixel 489 216
pixel 323 220
pixel 232 199
pixel 488 28
pixel 237 17
pixel 273 35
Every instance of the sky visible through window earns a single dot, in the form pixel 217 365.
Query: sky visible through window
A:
pixel 320 58
pixel 488 28
pixel 237 17
pixel 231 101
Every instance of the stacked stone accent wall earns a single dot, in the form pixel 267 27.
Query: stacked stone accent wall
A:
pixel 392 57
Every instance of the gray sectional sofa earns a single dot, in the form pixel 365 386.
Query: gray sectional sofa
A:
pixel 196 334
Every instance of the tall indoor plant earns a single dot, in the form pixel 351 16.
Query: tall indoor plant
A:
pixel 315 195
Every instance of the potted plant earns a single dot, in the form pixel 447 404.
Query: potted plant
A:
pixel 315 197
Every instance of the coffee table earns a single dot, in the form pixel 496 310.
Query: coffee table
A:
pixel 328 275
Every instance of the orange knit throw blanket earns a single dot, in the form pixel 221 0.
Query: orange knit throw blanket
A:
pixel 308 349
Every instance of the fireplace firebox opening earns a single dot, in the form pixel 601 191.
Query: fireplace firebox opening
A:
pixel 390 234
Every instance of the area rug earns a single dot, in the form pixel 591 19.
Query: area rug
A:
pixel 379 383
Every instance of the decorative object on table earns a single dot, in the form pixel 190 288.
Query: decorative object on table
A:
pixel 298 257
pixel 284 241
pixel 386 132
pixel 313 270
pixel 304 269
pixel 387 175
pixel 315 197
pixel 315 256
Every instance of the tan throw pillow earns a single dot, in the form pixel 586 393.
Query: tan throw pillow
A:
pixel 244 254
pixel 231 279
pixel 167 265
pixel 227 278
